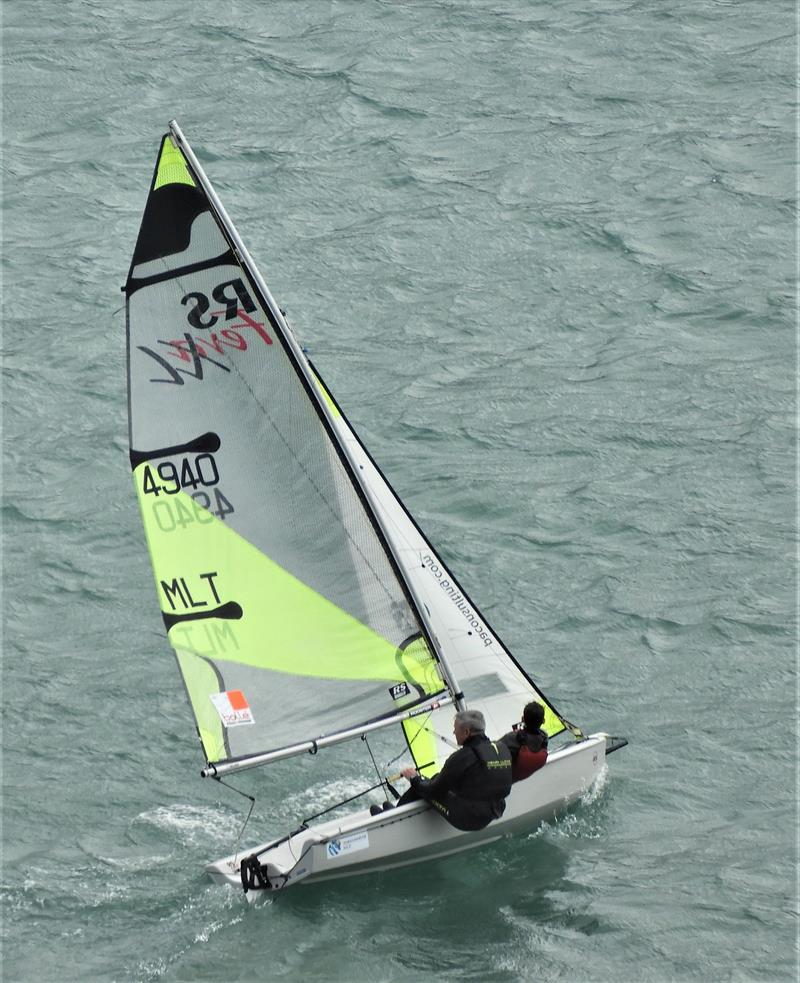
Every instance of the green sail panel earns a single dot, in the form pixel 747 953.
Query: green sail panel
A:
pixel 171 167
pixel 283 604
pixel 263 618
pixel 202 680
pixel 422 743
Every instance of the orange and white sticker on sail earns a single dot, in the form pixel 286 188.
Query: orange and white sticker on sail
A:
pixel 233 708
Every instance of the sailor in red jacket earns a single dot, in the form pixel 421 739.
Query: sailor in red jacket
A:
pixel 527 743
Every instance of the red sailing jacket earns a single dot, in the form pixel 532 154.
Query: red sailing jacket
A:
pixel 528 752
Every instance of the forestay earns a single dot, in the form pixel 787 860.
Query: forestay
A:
pixel 287 612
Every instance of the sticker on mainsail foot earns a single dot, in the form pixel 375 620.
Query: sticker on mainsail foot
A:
pixel 232 707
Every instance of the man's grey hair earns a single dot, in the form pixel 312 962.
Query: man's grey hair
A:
pixel 473 719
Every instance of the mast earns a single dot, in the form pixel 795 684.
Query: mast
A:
pixel 301 366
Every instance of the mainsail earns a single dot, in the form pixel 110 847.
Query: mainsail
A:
pixel 301 600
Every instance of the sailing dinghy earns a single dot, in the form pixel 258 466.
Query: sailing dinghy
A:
pixel 295 588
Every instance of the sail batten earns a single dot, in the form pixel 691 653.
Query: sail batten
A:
pixel 137 282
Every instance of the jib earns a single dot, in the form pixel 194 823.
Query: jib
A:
pixel 232 295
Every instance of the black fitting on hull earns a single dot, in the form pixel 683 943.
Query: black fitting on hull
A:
pixel 615 743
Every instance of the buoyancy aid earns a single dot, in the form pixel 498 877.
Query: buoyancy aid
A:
pixel 481 794
pixel 527 763
pixel 528 752
pixel 471 789
pixel 492 780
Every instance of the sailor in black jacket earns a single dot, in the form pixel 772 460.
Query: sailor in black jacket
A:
pixel 471 788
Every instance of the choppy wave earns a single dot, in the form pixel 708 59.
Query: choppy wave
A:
pixel 543 255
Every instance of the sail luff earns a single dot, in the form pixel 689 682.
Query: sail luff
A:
pixel 328 740
pixel 302 367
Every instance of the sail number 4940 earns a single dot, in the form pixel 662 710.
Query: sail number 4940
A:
pixel 190 474
pixel 205 473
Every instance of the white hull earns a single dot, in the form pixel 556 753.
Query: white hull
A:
pixel 360 843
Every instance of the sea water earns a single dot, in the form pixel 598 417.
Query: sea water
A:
pixel 544 255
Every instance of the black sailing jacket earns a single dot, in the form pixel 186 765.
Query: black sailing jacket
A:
pixel 471 788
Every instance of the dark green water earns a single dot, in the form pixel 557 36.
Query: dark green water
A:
pixel 544 254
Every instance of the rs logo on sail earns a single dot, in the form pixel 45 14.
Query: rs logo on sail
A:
pixel 240 301
pixel 194 351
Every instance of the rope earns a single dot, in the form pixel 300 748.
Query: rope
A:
pixel 573 729
pixel 384 781
pixel 372 756
pixel 343 802
pixel 249 813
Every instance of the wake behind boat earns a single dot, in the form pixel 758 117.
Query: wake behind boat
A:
pixel 294 586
